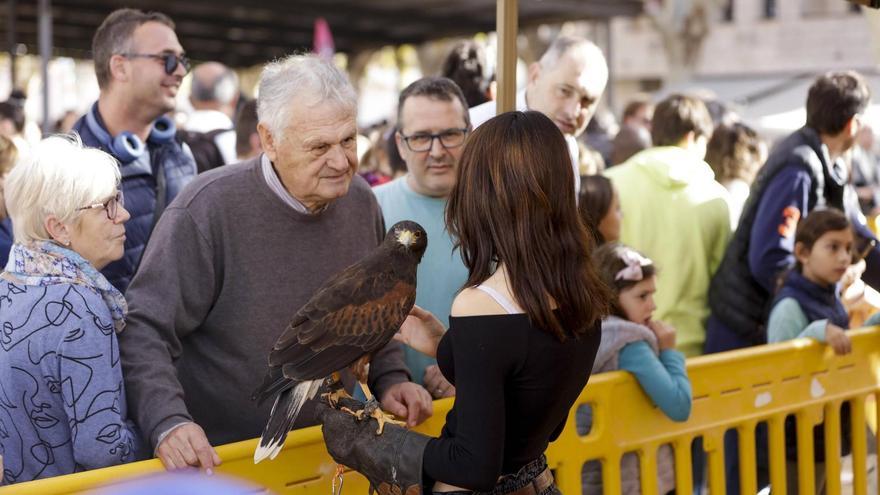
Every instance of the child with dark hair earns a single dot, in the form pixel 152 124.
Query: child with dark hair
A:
pixel 599 206
pixel 808 304
pixel 633 341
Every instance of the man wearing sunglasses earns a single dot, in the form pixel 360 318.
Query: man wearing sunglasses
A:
pixel 433 123
pixel 139 64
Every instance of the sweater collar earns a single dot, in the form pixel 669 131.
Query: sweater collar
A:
pixel 274 182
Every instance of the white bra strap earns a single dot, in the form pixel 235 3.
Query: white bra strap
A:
pixel 500 299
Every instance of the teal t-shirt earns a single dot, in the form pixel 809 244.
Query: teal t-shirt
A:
pixel 441 272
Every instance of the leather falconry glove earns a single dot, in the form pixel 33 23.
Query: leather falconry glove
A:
pixel 392 461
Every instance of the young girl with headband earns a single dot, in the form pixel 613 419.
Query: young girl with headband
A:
pixel 633 341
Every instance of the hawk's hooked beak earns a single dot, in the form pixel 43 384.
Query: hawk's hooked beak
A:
pixel 406 237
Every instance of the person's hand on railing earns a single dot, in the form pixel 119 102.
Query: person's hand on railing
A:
pixel 665 334
pixel 837 338
pixel 437 384
pixel 187 446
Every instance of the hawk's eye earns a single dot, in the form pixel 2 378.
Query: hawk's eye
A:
pixel 417 234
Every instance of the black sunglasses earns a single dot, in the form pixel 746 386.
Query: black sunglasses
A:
pixel 169 59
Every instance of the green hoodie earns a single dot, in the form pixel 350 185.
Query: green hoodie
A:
pixel 676 214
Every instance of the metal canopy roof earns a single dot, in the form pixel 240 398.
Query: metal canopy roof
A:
pixel 247 32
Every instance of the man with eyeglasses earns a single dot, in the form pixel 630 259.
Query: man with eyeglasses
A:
pixel 566 85
pixel 432 122
pixel 139 64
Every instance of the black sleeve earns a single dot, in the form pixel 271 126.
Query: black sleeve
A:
pixel 473 458
pixel 558 430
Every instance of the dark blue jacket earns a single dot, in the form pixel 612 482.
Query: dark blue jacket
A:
pixel 797 178
pixel 140 189
pixel 5 241
pixel 817 302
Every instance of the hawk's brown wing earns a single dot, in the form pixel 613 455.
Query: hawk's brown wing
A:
pixel 357 312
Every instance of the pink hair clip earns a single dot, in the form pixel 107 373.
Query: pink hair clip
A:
pixel 634 263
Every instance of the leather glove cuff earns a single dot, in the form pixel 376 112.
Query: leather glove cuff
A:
pixel 392 461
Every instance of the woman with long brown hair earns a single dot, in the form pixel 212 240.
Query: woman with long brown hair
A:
pixel 523 331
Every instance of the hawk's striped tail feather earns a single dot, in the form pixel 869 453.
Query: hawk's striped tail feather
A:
pixel 284 412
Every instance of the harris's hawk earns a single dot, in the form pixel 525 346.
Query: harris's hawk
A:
pixel 354 314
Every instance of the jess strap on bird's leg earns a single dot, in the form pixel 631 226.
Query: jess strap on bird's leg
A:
pixel 336 390
pixel 392 462
pixel 361 370
pixel 371 409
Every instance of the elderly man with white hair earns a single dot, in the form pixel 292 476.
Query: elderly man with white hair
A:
pixel 63 407
pixel 233 258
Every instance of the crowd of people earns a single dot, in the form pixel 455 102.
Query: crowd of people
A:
pixel 149 269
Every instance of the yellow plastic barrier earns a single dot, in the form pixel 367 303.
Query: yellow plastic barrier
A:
pixel 302 467
pixel 734 390
pixel 731 390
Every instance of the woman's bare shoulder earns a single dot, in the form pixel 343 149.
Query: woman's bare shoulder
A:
pixel 474 302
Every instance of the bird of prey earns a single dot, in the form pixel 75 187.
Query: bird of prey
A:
pixel 354 314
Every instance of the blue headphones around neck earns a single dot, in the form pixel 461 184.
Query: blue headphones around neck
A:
pixel 126 146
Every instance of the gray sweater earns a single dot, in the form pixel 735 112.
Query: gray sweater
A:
pixel 226 268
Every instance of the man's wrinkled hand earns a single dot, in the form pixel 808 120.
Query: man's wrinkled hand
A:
pixel 437 384
pixel 408 400
pixel 187 446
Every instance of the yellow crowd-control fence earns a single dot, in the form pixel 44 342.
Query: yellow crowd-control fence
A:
pixel 734 390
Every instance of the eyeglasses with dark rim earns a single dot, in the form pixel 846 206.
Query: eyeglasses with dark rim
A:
pixel 170 60
pixel 111 206
pixel 422 141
